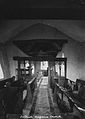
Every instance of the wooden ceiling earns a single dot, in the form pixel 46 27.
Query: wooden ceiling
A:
pixel 41 47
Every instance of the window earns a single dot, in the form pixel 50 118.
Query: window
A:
pixel 33 69
pixel 62 67
pixel 1 73
pixel 26 64
pixel 44 65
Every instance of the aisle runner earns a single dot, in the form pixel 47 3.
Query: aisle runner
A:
pixel 42 105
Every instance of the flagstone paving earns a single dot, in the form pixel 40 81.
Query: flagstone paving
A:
pixel 42 105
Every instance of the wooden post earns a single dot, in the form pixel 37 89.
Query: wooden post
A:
pixel 29 94
pixel 19 70
pixel 24 70
pixel 60 73
pixel 55 93
pixel 62 95
pixel 49 74
pixel 30 71
pixel 35 83
pixel 65 66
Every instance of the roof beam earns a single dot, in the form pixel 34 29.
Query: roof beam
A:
pixel 38 58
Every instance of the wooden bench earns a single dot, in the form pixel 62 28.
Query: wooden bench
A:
pixel 11 96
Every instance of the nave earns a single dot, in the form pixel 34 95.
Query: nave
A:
pixel 44 106
pixel 53 101
pixel 60 91
pixel 44 95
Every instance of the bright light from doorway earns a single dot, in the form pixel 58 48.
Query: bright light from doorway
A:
pixel 44 65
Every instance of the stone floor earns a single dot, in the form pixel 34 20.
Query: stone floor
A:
pixel 42 105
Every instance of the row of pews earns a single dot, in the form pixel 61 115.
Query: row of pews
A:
pixel 12 100
pixel 11 97
pixel 70 97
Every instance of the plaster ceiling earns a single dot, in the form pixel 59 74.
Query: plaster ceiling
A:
pixel 74 29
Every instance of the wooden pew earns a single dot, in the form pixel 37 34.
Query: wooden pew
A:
pixel 11 96
pixel 2 95
pixel 2 107
pixel 79 94
pixel 64 98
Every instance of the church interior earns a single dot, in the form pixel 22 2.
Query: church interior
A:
pixel 42 60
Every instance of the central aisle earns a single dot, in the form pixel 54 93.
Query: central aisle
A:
pixel 42 105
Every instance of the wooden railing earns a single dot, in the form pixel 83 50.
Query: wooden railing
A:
pixel 31 87
pixel 11 91
pixel 34 99
pixel 65 100
pixel 72 102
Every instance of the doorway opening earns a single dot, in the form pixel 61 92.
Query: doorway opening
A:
pixel 44 68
